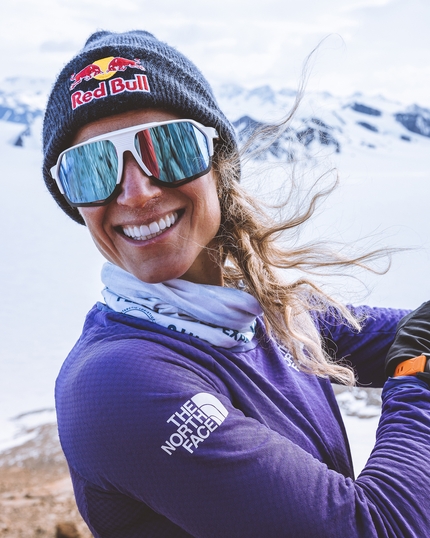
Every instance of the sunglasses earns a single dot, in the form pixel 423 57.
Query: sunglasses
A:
pixel 171 153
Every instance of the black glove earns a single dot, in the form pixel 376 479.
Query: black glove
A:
pixel 412 339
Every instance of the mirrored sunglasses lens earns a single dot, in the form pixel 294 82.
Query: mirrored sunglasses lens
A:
pixel 88 173
pixel 173 152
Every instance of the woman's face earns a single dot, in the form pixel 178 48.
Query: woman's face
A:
pixel 182 221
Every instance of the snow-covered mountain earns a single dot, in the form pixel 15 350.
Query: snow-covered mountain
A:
pixel 322 119
pixel 22 101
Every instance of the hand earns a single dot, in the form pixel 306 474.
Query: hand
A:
pixel 412 338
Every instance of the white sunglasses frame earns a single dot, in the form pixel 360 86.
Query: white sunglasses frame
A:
pixel 123 140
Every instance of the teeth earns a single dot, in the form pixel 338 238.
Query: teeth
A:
pixel 154 227
pixel 145 232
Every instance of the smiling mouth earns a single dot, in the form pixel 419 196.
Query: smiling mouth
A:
pixel 145 232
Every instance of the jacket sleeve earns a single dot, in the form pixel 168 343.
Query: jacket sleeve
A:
pixel 366 349
pixel 173 440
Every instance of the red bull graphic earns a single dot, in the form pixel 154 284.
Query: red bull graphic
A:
pixel 103 70
pixel 121 64
pixel 87 73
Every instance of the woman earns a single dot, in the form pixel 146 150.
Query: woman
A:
pixel 197 401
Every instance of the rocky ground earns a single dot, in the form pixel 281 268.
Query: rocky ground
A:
pixel 36 496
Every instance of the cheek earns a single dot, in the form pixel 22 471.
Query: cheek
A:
pixel 216 207
pixel 213 208
pixel 208 199
pixel 209 220
pixel 94 218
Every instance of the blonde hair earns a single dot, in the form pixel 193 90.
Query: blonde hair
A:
pixel 252 257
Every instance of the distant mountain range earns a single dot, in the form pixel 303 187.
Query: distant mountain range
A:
pixel 321 120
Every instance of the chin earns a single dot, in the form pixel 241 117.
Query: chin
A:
pixel 156 277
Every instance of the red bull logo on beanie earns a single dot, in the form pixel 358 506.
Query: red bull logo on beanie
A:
pixel 87 73
pixel 105 69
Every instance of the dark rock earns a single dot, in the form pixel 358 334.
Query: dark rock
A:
pixel 324 137
pixel 246 126
pixel 327 139
pixel 320 123
pixel 368 126
pixel 66 530
pixel 358 107
pixel 20 140
pixel 282 146
pixel 417 120
pixel 306 136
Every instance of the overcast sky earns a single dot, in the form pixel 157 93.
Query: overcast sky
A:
pixel 375 46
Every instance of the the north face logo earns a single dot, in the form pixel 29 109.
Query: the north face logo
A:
pixel 194 422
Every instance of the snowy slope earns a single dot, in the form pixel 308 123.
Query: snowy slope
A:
pixel 371 121
pixel 49 273
pixel 49 279
pixel 325 120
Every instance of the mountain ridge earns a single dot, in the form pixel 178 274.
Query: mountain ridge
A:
pixel 322 119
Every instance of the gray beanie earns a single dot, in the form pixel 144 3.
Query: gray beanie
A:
pixel 115 73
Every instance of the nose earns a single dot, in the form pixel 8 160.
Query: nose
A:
pixel 136 188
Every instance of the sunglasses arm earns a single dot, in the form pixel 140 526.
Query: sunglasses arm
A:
pixel 54 175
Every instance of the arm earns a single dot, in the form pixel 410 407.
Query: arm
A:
pixel 366 349
pixel 214 472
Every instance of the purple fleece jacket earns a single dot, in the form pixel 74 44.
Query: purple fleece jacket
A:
pixel 168 436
